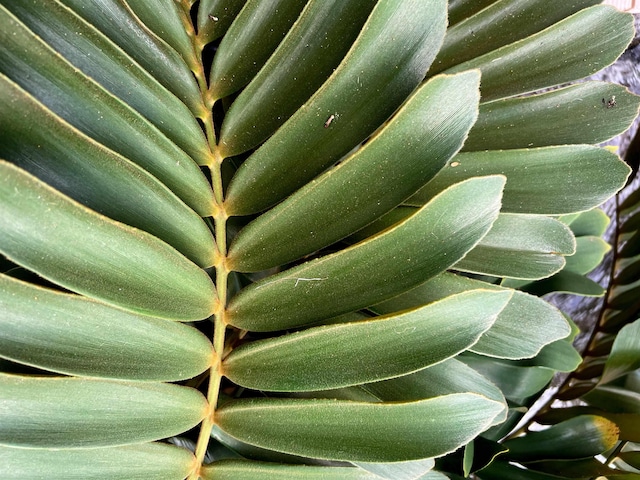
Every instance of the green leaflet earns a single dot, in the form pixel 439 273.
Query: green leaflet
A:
pixel 625 354
pixel 517 383
pixel 594 223
pixel 70 334
pixel 376 269
pixel 514 19
pixel 248 470
pixel 152 461
pixel 385 64
pixel 394 164
pixel 521 246
pixel 354 431
pixel 115 19
pixel 29 62
pixel 305 58
pixel 95 176
pixel 614 399
pixel 461 9
pixel 61 240
pixel 99 58
pixel 544 323
pixel 168 20
pixel 54 412
pixel 399 470
pixel 590 252
pixel 362 352
pixel 215 18
pixel 580 437
pixel 549 181
pixel 253 36
pixel 572 115
pixel 445 378
pixel 575 47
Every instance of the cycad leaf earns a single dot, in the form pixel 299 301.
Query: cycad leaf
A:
pixel 61 240
pixel 362 352
pixel 544 323
pixel 308 55
pixel 517 383
pixel 117 21
pixel 246 470
pixel 450 376
pixel 168 20
pixel 99 58
pixel 354 431
pixel 625 354
pixel 30 63
pixel 73 335
pixel 521 246
pixel 77 413
pixel 580 437
pixel 514 20
pixel 399 470
pixel 215 17
pixel 95 176
pixel 251 39
pixel 594 223
pixel 153 461
pixel 575 47
pixel 572 115
pixel 567 178
pixel 372 271
pixel 589 254
pixel 385 64
pixel 415 144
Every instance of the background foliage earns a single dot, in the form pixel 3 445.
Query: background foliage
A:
pixel 309 239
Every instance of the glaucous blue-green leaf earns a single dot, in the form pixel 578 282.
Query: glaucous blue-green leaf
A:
pixel 65 90
pixel 376 269
pixel 625 354
pixel 575 47
pixel 306 57
pixel 251 39
pixel 549 180
pixel 355 431
pixel 589 253
pixel 593 222
pixel 579 437
pixel 544 323
pixel 385 64
pixel 514 19
pixel 150 461
pixel 99 58
pixel 117 21
pixel 248 470
pixel 516 383
pixel 564 281
pixel 57 412
pixel 399 470
pixel 73 335
pixel 64 242
pixel 560 355
pixel 577 114
pixel 521 246
pixel 428 130
pixel 461 9
pixel 367 351
pixel 95 176
pixel 445 378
